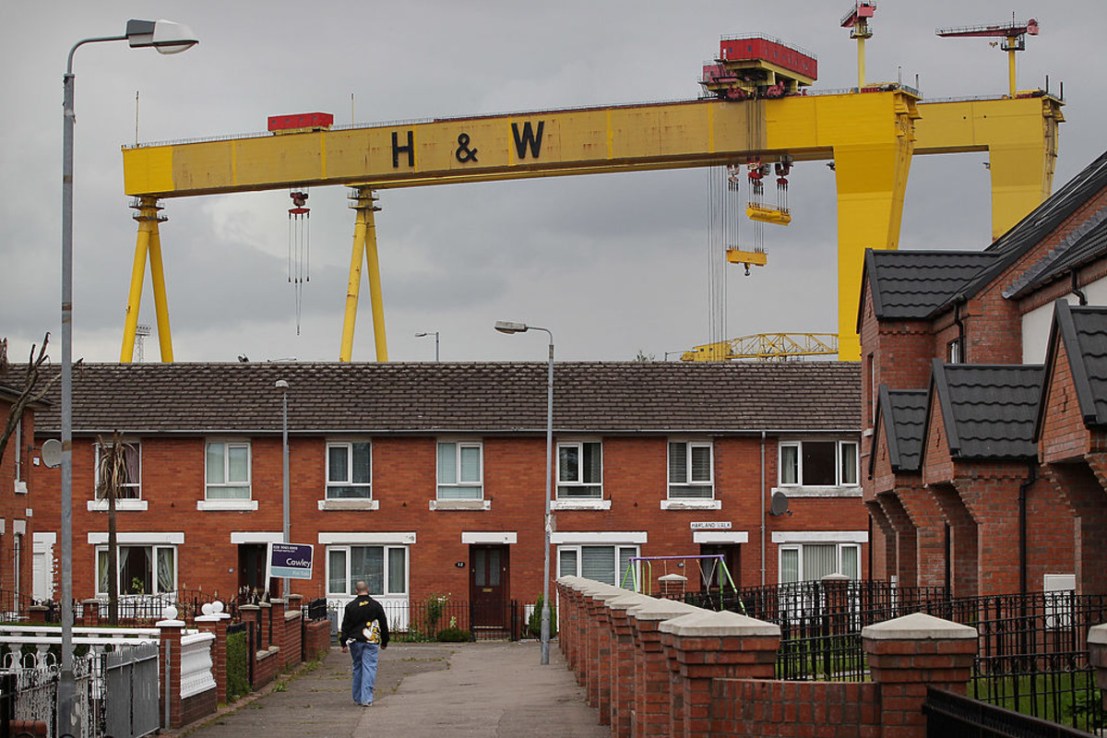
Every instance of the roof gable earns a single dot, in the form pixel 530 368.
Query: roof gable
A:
pixel 908 285
pixel 906 414
pixel 1083 330
pixel 989 411
pixel 1085 244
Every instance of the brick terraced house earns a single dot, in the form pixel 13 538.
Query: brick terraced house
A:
pixel 19 564
pixel 984 405
pixel 427 478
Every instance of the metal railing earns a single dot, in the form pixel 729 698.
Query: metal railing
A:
pixel 434 619
pixel 1032 650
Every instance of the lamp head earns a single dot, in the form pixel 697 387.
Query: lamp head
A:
pixel 281 385
pixel 423 334
pixel 506 326
pixel 164 35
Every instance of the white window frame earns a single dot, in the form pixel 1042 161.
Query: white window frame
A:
pixel 154 548
pixel 388 588
pixel 616 548
pixel 229 503
pixel 798 548
pixel 136 503
pixel 349 446
pixel 440 485
pixel 578 483
pixel 840 446
pixel 688 482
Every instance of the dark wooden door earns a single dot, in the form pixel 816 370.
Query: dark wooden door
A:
pixel 251 570
pixel 713 577
pixel 488 567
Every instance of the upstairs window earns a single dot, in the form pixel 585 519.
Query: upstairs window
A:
pixel 818 464
pixel 349 470
pixel 228 470
pixel 579 471
pixel 691 470
pixel 459 471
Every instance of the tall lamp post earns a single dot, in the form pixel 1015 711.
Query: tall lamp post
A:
pixel 286 525
pixel 508 327
pixel 168 38
pixel 424 334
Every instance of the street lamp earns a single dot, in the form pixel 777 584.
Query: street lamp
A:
pixel 424 334
pixel 282 385
pixel 168 38
pixel 508 327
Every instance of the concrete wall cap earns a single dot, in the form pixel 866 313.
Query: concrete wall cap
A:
pixel 625 601
pixel 707 624
pixel 590 586
pixel 606 595
pixel 1098 634
pixel 655 609
pixel 917 627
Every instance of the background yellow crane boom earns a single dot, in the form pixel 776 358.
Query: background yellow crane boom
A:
pixel 766 347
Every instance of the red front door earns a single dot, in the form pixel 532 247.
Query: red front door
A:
pixel 488 585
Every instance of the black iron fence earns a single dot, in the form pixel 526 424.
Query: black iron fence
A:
pixel 950 715
pixel 1032 651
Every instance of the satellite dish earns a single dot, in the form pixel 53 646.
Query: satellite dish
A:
pixel 779 505
pixel 52 453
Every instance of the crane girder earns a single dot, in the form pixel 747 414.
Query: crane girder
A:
pixel 766 347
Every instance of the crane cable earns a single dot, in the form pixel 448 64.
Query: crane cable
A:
pixel 299 248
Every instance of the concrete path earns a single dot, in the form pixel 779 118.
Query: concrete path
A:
pixel 490 690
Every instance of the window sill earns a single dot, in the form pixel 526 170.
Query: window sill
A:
pixel 580 504
pixel 349 505
pixel 691 504
pixel 120 505
pixel 471 505
pixel 799 491
pixel 224 505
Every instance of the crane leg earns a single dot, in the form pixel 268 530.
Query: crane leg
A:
pixel 364 251
pixel 147 217
pixel 161 302
pixel 1022 170
pixel 871 182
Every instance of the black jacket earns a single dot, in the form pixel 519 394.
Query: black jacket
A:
pixel 361 614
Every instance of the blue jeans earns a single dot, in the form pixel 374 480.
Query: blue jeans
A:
pixel 364 656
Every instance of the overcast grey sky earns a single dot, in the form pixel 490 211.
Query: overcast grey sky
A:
pixel 613 264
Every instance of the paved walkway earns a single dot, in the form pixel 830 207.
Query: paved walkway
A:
pixel 485 690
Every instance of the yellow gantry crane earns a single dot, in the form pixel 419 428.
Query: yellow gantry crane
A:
pixel 870 135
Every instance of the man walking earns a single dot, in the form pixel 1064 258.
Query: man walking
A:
pixel 364 632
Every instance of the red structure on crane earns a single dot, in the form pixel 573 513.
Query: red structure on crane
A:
pixel 758 66
pixel 1013 33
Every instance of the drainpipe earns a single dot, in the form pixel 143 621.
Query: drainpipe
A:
pixel 1032 477
pixel 762 508
pixel 1077 291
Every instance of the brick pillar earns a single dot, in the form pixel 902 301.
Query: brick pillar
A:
pixel 908 654
pixel 596 636
pixel 906 570
pixel 883 543
pixel 265 626
pixel 575 605
pixel 1079 487
pixel 171 631
pixel 963 544
pixel 837 604
pixel 251 614
pixel 993 502
pixel 90 613
pixel 1097 655
pixel 295 628
pixel 566 632
pixel 923 511
pixel 277 624
pixel 216 624
pixel 704 646
pixel 650 714
pixel 622 661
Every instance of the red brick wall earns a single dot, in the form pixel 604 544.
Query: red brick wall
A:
pixel 1064 436
pixel 198 706
pixel 756 707
pixel 266 667
pixel 316 639
pixel 13 507
pixel 404 479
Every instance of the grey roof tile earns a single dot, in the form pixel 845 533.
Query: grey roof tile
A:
pixel 904 418
pixel 990 411
pixel 913 284
pixel 426 397
pixel 1085 244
